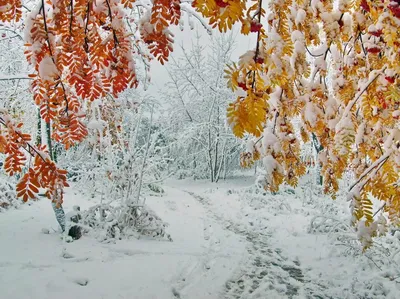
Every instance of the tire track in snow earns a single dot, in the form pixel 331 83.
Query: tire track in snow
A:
pixel 266 272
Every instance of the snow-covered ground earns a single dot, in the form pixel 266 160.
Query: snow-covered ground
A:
pixel 229 241
pixel 196 264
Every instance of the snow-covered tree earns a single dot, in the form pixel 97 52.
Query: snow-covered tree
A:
pixel 201 143
pixel 121 164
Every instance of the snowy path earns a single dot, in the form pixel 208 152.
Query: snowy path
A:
pixel 266 273
pixel 196 264
pixel 283 259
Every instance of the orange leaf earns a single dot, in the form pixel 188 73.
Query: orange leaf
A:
pixel 3 144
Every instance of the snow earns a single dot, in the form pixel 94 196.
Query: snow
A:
pixel 297 35
pixel 360 134
pixel 320 63
pixel 250 146
pixel 246 58
pixel 230 240
pixel 270 164
pixel 270 141
pixel 300 17
pixel 299 47
pixel 275 97
pixel 96 125
pixel 347 23
pixel 99 6
pixel 309 113
pixel 47 69
pixel 240 93
pixel 344 124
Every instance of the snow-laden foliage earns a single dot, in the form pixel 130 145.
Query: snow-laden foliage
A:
pixel 110 162
pixel 381 259
pixel 201 145
pixel 14 80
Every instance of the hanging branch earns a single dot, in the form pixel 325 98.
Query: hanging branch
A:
pixel 52 56
pixel 258 41
pixel 30 149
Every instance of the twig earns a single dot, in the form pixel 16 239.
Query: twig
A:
pixel 111 20
pixel 379 210
pixel 313 55
pixel 368 257
pixel 361 92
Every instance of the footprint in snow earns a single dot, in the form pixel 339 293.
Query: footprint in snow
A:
pixel 65 254
pixel 82 281
pixel 176 293
pixel 171 205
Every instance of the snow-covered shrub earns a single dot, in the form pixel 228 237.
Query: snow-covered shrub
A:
pixel 332 220
pixel 8 196
pixel 107 222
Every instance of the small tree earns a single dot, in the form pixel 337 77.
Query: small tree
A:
pixel 119 165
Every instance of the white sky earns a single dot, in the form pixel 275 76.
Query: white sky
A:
pixel 159 75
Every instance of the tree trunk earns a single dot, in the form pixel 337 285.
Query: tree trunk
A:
pixel 39 129
pixel 210 161
pixel 145 157
pixel 318 147
pixel 49 144
pixel 216 160
pixel 217 135
pixel 60 215
pixel 222 161
pixel 58 212
pixel 225 166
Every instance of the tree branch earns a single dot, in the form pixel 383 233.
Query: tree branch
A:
pixel 15 77
pixel 378 163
